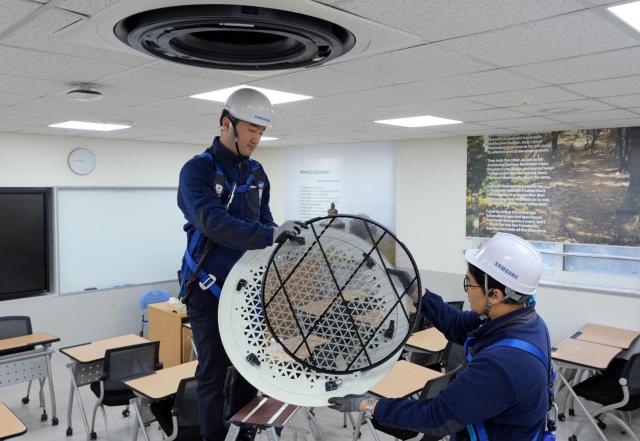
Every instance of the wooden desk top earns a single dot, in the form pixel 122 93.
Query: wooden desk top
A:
pixel 169 307
pixel 90 352
pixel 607 335
pixel 584 353
pixel 264 412
pixel 10 425
pixel 24 341
pixel 429 339
pixel 404 379
pixel 163 383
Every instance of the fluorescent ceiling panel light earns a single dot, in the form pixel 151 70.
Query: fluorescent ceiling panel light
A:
pixel 268 138
pixel 418 121
pixel 275 96
pixel 629 13
pixel 81 125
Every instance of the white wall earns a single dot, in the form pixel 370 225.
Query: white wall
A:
pixel 41 161
pixel 430 216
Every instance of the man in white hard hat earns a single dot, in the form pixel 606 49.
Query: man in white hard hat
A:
pixel 224 196
pixel 504 391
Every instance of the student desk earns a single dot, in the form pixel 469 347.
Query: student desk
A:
pixel 157 386
pixel 10 425
pixel 261 412
pixel 26 363
pixel 403 380
pixel 578 354
pixel 607 335
pixel 86 368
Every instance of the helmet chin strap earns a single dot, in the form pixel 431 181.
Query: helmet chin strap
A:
pixel 487 305
pixel 235 138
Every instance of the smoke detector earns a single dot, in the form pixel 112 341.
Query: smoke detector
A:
pixel 247 37
pixel 84 93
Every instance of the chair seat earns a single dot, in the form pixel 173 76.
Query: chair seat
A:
pixel 114 397
pixel 605 390
pixel 162 411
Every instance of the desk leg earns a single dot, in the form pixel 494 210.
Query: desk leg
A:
pixel 232 433
pixel 136 408
pixel 579 401
pixel 72 368
pixel 358 427
pixel 70 408
pixel 54 416
pixel 271 434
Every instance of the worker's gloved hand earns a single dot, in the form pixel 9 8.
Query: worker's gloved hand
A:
pixel 348 403
pixel 287 230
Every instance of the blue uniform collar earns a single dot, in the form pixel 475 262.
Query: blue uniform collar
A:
pixel 221 153
pixel 492 326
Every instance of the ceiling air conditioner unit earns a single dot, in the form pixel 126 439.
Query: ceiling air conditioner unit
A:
pixel 247 36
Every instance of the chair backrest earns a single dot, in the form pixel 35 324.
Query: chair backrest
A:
pixel 122 364
pixel 453 356
pixel 434 386
pixel 185 407
pixel 15 326
pixel 154 296
pixel 631 372
pixel 458 304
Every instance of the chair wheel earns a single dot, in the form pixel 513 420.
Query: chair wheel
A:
pixel 572 412
pixel 126 413
pixel 602 425
pixel 69 431
pixel 561 417
pixel 54 421
pixel 573 438
pixel 25 400
pixel 93 435
pixel 44 417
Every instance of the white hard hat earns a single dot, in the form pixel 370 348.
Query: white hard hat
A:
pixel 251 106
pixel 510 260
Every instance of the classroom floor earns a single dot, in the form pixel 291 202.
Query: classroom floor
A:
pixel 122 428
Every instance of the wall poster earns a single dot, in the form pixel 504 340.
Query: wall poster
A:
pixel 580 186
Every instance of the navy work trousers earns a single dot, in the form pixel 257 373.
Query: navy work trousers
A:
pixel 211 372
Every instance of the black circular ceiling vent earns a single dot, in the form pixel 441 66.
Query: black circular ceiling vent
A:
pixel 235 37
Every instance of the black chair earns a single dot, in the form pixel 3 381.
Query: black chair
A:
pixel 18 326
pixel 430 390
pixel 178 416
pixel 453 357
pixel 120 365
pixel 616 389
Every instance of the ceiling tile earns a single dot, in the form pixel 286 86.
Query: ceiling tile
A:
pixel 520 123
pixel 604 65
pixel 29 86
pixel 35 64
pixel 604 88
pixel 7 99
pixel 603 115
pixel 529 97
pixel 574 34
pixel 581 105
pixel 173 109
pixel 627 122
pixel 413 64
pixel 315 82
pixel 437 20
pixel 623 100
pixel 143 79
pixel 482 115
pixel 13 11
pixel 391 95
pixel 87 7
pixel 317 106
pixel 479 83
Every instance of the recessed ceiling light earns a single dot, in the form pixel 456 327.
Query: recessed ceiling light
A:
pixel 629 13
pixel 268 138
pixel 275 96
pixel 418 121
pixel 81 125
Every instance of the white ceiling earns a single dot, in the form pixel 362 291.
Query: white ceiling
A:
pixel 497 65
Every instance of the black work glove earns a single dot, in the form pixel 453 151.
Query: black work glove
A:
pixel 348 403
pixel 287 230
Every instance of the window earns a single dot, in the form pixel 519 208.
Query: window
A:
pixel 602 267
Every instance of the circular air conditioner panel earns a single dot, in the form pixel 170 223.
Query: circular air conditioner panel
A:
pixel 235 37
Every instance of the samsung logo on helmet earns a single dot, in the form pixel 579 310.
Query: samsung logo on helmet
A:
pixel 506 270
pixel 262 118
